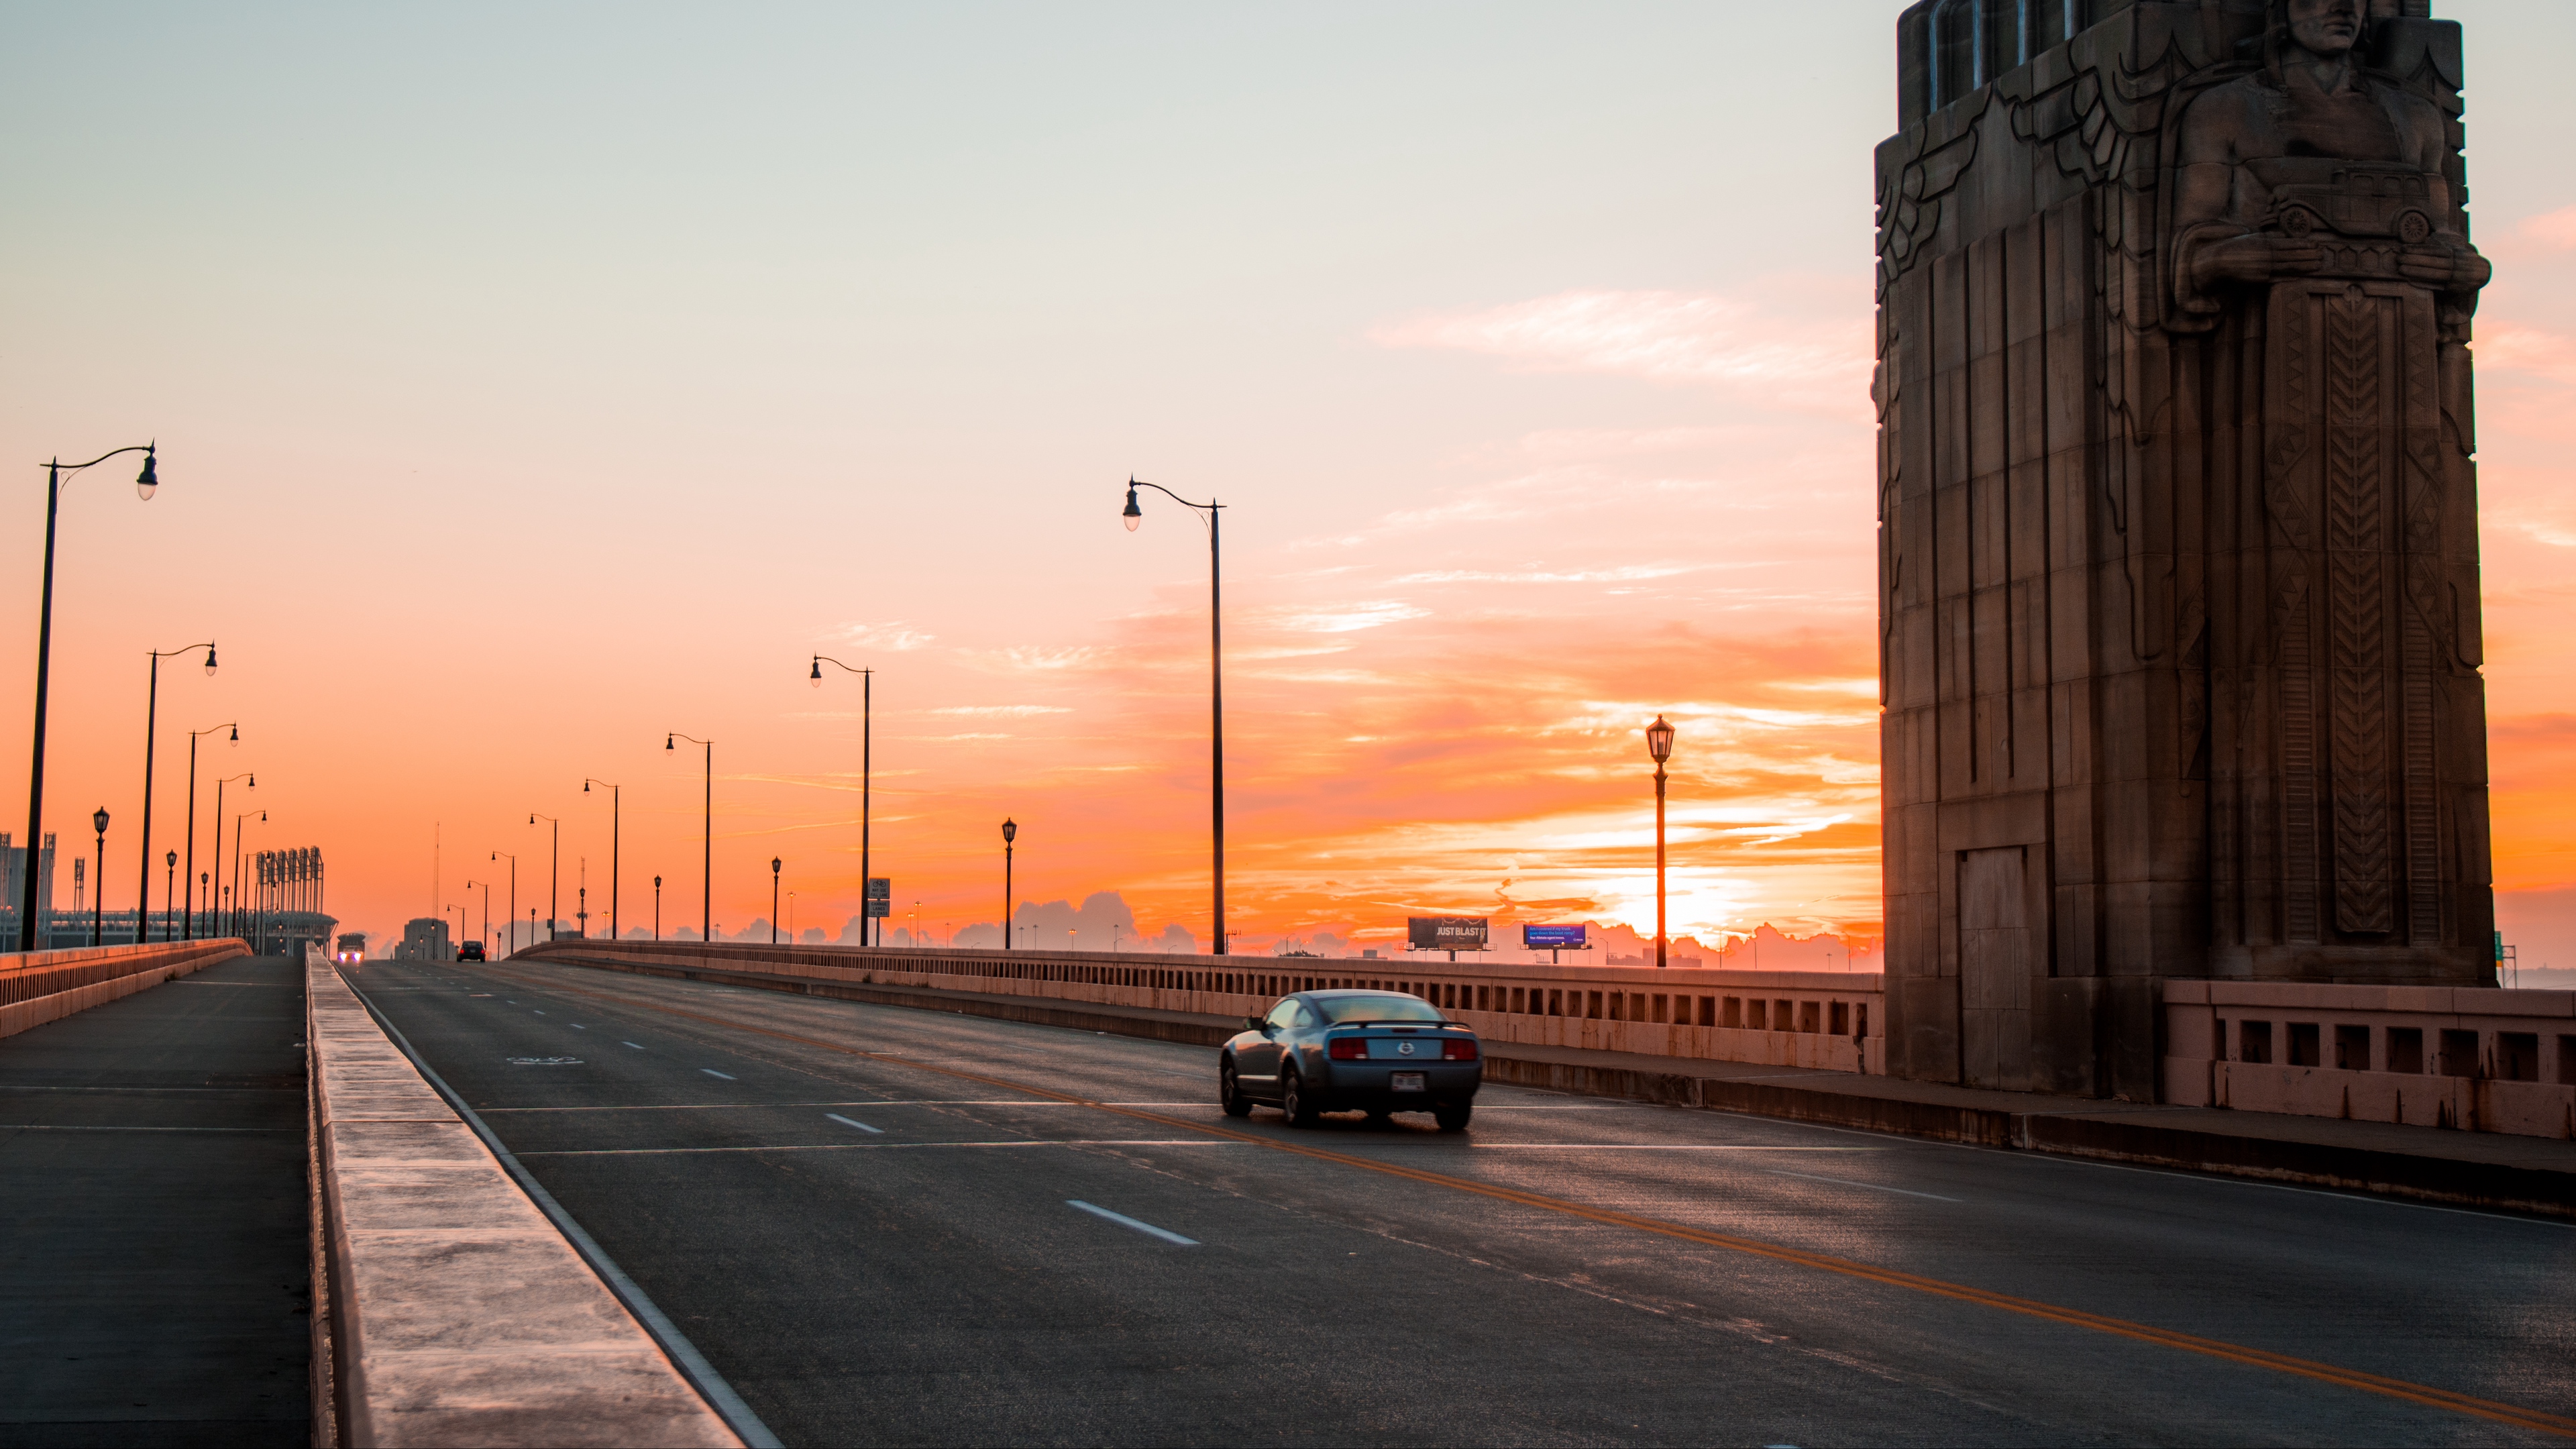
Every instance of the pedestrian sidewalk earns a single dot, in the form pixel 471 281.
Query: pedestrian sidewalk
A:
pixel 154 1285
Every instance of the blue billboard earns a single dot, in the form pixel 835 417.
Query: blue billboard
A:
pixel 1556 938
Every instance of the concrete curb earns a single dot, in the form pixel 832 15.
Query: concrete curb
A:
pixel 193 956
pixel 457 1314
pixel 2073 1133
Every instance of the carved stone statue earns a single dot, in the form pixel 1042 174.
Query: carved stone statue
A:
pixel 2179 566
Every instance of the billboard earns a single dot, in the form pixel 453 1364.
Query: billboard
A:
pixel 1556 938
pixel 880 896
pixel 1445 933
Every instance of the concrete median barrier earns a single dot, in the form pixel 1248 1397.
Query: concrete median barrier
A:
pixel 451 1310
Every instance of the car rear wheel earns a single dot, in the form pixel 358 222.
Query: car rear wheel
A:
pixel 1229 1092
pixel 1452 1116
pixel 1294 1104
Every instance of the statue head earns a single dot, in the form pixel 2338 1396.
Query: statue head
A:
pixel 2327 28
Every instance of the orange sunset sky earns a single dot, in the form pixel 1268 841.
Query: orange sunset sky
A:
pixel 533 382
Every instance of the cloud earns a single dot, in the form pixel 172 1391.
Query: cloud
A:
pixel 1627 573
pixel 1349 618
pixel 1676 337
pixel 2527 349
pixel 896 636
pixel 2553 229
pixel 1015 711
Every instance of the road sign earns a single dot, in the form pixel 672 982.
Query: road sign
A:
pixel 880 896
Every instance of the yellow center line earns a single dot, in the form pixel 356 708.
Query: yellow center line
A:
pixel 2415 1393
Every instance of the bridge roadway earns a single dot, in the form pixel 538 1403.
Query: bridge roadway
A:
pixel 862 1217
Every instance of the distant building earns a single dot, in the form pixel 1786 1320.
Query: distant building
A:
pixel 425 939
pixel 17 893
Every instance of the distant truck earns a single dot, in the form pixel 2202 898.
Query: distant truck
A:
pixel 350 947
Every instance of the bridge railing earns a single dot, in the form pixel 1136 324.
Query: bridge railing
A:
pixel 41 986
pixel 2478 1059
pixel 1825 1019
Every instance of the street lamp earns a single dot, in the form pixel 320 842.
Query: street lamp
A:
pixel 151 734
pixel 98 893
pixel 236 891
pixel 773 900
pixel 616 837
pixel 1010 832
pixel 1659 743
pixel 707 839
pixel 1216 675
pixel 514 904
pixel 486 937
pixel 657 908
pixel 867 770
pixel 169 892
pixel 188 916
pixel 55 475
pixel 215 907
pixel 554 876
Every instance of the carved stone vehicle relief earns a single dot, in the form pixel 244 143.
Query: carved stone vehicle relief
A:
pixel 2178 526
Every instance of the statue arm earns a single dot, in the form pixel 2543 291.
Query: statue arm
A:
pixel 2214 247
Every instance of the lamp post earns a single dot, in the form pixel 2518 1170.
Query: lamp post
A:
pixel 791 918
pixel 238 909
pixel 215 908
pixel 1010 832
pixel 867 769
pixel 773 900
pixel 55 476
pixel 616 837
pixel 98 897
pixel 151 734
pixel 1216 676
pixel 554 875
pixel 657 908
pixel 707 839
pixel 1659 743
pixel 514 904
pixel 486 937
pixel 188 916
pixel 169 892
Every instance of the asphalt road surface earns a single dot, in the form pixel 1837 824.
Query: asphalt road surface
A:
pixel 904 1226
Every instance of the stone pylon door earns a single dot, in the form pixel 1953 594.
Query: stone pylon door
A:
pixel 1995 954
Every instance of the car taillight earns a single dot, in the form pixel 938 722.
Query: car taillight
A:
pixel 1347 1049
pixel 1455 1050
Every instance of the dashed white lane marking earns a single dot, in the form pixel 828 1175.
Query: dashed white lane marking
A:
pixel 638 1048
pixel 854 1122
pixel 712 1072
pixel 1847 1182
pixel 577 1026
pixel 1124 1221
pixel 1652 1147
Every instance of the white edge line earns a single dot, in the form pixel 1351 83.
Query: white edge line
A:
pixel 712 1072
pixel 879 1146
pixel 854 1122
pixel 1124 1221
pixel 692 1364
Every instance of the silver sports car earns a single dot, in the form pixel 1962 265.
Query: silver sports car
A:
pixel 1333 1051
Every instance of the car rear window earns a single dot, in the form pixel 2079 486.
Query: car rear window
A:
pixel 1378 1008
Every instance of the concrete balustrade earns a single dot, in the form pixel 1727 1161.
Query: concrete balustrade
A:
pixel 2483 1060
pixel 451 1311
pixel 1785 1018
pixel 41 986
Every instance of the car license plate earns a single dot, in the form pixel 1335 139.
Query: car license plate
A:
pixel 1405 1082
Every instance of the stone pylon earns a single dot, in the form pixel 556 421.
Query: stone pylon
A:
pixel 2178 522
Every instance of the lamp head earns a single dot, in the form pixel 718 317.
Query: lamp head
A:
pixel 170 859
pixel 254 783
pixel 147 482
pixel 236 739
pixel 210 661
pixel 532 819
pixel 669 742
pixel 1659 740
pixel 1010 831
pixel 1131 513
pixel 773 865
pixel 816 678
pixel 585 787
pixel 657 882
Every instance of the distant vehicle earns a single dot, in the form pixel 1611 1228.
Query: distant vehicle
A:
pixel 350 947
pixel 469 951
pixel 1330 1051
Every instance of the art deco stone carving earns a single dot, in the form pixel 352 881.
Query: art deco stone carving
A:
pixel 2179 610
